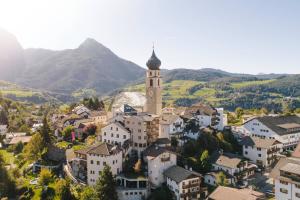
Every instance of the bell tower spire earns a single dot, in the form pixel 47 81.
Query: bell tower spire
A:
pixel 153 85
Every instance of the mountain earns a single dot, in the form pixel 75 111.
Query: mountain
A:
pixel 11 56
pixel 91 65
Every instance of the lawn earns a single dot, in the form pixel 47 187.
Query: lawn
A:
pixel 250 83
pixel 7 156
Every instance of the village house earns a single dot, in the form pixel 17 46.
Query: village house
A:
pixel 114 133
pixel 262 152
pixel 206 115
pixel 232 164
pixel 286 175
pixel 144 130
pixel 98 117
pixel 285 129
pixel 158 159
pixel 226 193
pixel 183 183
pixel 132 187
pixel 210 178
pixel 3 129
pixel 169 125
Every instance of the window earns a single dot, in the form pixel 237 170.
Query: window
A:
pixel 246 152
pixel 258 149
pixel 297 186
pixel 282 190
pixel 98 162
pixel 111 128
pixel 139 130
pixel 104 163
pixel 158 82
pixel 151 82
pixel 259 155
pixel 117 135
pixel 92 162
pixel 112 135
pixel 284 182
pixel 246 147
pixel 297 195
pixel 139 137
pixel 124 136
pixel 104 133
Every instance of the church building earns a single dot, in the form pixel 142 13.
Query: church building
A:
pixel 153 86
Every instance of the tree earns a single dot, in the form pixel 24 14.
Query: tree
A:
pixel 3 116
pixel 45 131
pixel 138 166
pixel 35 148
pixel 204 162
pixel 90 129
pixel 89 193
pixel 62 189
pixel 18 148
pixel 221 179
pixel 45 177
pixel 161 193
pixel 67 132
pixel 106 185
pixel 239 112
pixel 174 142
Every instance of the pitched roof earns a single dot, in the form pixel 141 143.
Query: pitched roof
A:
pixel 153 151
pixel 179 174
pixel 292 168
pixel 23 139
pixel 282 125
pixel 169 119
pixel 258 142
pixel 163 141
pixel 228 193
pixel 296 152
pixel 104 149
pixel 226 159
pixel 275 173
pixel 200 109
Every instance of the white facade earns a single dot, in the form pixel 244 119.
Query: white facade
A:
pixel 180 189
pixel 157 166
pixel 115 133
pixel 170 127
pixel 3 129
pixel 287 190
pixel 258 129
pixel 207 120
pixel 96 163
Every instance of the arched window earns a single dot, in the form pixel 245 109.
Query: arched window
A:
pixel 151 82
pixel 158 82
pixel 150 73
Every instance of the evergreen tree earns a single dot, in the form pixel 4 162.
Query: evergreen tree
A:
pixel 221 179
pixel 3 117
pixel 62 189
pixel 89 193
pixel 106 185
pixel 45 132
pixel 204 162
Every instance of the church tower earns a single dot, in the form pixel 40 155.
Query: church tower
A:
pixel 153 86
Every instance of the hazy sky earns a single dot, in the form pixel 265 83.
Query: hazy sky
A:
pixel 234 35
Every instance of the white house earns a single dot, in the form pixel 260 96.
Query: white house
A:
pixel 115 133
pixel 183 183
pixel 132 187
pixel 285 129
pixel 3 129
pixel 81 110
pixel 232 164
pixel 207 115
pixel 99 155
pixel 158 160
pixel 210 178
pixel 261 151
pixel 286 175
pixel 169 125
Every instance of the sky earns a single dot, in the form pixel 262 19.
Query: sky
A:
pixel 239 36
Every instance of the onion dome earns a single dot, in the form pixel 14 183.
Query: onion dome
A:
pixel 153 63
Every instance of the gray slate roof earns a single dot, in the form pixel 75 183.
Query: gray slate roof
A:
pixel 259 142
pixel 277 123
pixel 179 174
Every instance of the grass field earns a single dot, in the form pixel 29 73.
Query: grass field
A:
pixel 250 83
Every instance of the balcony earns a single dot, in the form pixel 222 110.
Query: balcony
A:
pixel 165 159
pixel 191 185
pixel 273 150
